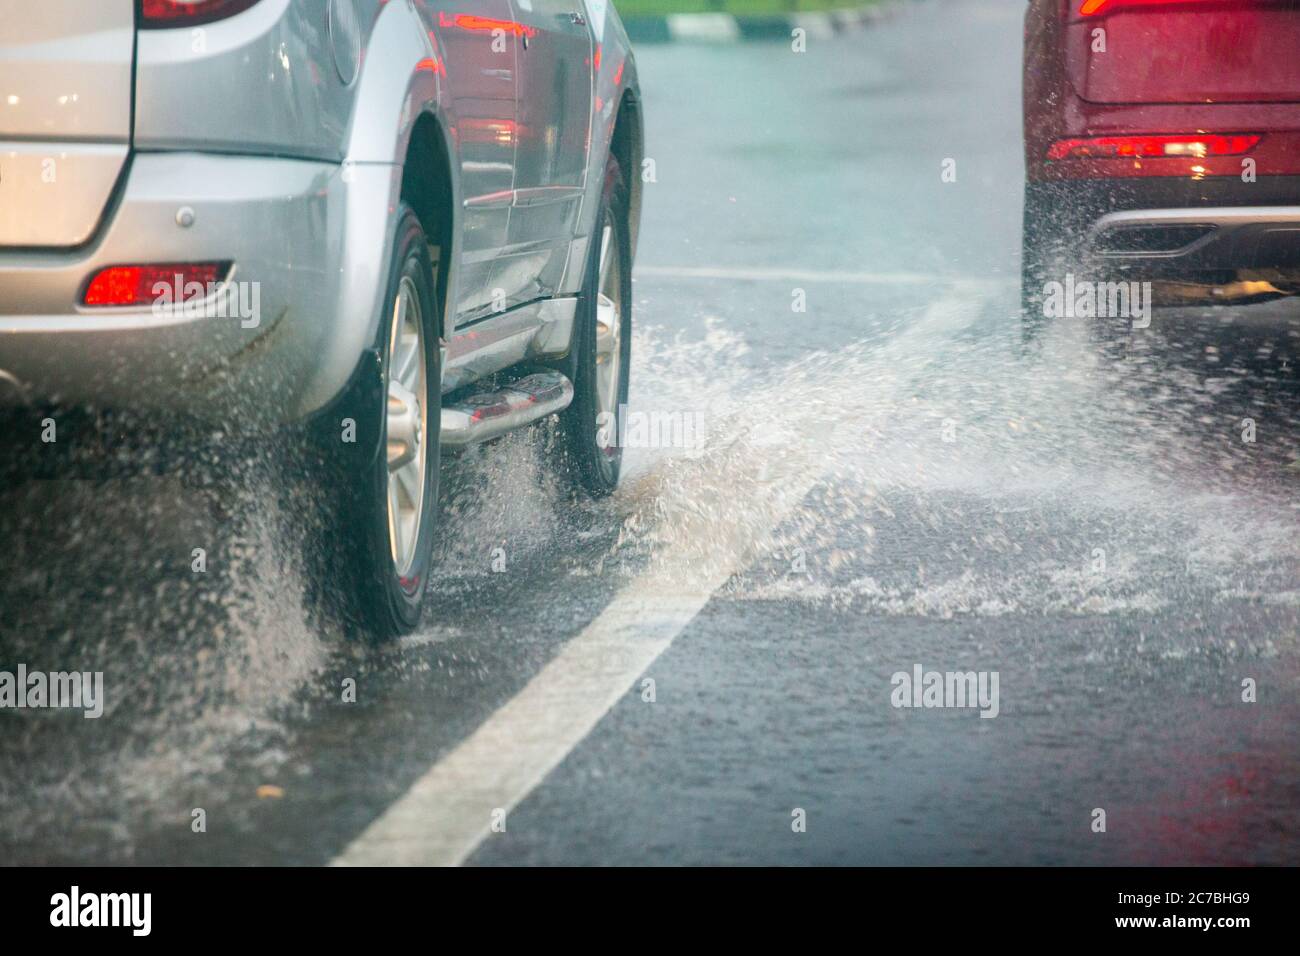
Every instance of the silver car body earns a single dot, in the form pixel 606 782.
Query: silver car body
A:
pixel 280 139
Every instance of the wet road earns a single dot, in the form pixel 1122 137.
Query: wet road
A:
pixel 701 669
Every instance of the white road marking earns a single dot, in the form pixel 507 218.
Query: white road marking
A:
pixel 443 818
pixel 703 26
pixel 816 275
pixel 447 813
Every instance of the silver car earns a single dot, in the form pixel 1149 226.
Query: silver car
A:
pixel 396 226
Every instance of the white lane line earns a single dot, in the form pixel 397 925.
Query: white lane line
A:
pixel 817 275
pixel 447 813
pixel 443 818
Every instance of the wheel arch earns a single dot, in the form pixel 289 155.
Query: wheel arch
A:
pixel 427 188
pixel 401 117
pixel 627 145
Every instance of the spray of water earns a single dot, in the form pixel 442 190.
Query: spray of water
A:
pixel 1132 466
pixel 935 428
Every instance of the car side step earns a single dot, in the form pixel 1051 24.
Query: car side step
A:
pixel 490 414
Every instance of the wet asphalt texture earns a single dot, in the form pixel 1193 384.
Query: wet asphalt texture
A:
pixel 1089 525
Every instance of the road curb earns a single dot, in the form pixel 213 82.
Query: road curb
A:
pixel 728 28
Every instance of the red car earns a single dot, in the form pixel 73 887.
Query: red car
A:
pixel 1162 144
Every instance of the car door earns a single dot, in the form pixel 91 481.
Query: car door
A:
pixel 554 119
pixel 479 41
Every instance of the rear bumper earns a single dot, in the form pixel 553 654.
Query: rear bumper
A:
pixel 309 242
pixel 1198 240
pixel 1172 228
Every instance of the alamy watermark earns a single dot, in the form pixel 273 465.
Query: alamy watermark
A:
pixel 1073 299
pixel 73 690
pixel 129 910
pixel 922 688
pixel 210 300
pixel 650 429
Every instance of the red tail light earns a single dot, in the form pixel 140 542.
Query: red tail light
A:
pixel 164 14
pixel 1188 146
pixel 1099 8
pixel 143 285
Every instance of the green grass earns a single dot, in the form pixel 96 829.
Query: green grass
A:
pixel 654 8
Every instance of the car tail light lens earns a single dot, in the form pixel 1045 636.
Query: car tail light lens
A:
pixel 1190 146
pixel 162 14
pixel 144 285
pixel 1099 8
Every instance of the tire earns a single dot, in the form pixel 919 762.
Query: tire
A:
pixel 1032 269
pixel 1051 251
pixel 1047 252
pixel 589 454
pixel 381 527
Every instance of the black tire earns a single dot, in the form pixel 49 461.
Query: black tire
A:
pixel 386 603
pixel 1048 251
pixel 589 457
pixel 1051 251
pixel 1033 255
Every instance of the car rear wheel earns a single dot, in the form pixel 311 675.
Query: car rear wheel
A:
pixel 1041 249
pixel 385 523
pixel 1051 252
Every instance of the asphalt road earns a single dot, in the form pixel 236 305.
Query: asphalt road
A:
pixel 700 670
